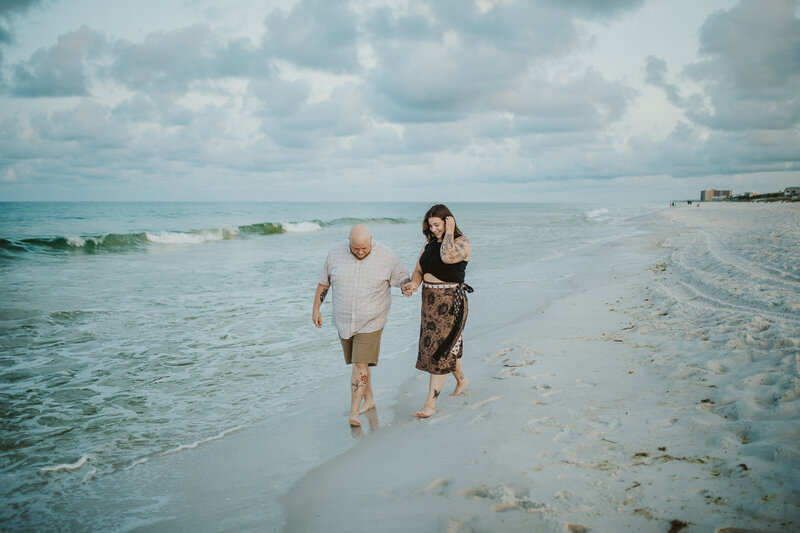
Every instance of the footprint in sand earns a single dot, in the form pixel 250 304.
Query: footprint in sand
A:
pixel 524 362
pixel 484 402
pixel 506 499
pixel 437 420
pixel 436 486
pixel 537 425
pixel 501 353
pixel 567 434
pixel 481 417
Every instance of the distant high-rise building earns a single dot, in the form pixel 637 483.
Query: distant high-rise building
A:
pixel 714 194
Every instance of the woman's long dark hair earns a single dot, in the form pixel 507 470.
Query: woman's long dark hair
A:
pixel 438 211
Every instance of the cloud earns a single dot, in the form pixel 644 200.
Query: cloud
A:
pixel 315 34
pixel 585 102
pixel 686 152
pixel 473 93
pixel 461 57
pixel 138 108
pixel 592 9
pixel 171 61
pixel 743 115
pixel 341 115
pixel 656 74
pixel 279 98
pixel 10 176
pixel 9 9
pixel 60 70
pixel 751 70
pixel 89 123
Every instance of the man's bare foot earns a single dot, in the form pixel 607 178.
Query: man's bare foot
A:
pixel 425 412
pixel 460 386
pixel 366 407
pixel 354 422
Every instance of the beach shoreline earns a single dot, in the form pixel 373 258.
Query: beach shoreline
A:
pixel 643 382
pixel 581 416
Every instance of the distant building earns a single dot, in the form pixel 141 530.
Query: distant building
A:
pixel 792 191
pixel 714 194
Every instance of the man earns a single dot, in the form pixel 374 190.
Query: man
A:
pixel 361 273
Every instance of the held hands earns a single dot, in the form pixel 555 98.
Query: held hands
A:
pixel 449 225
pixel 409 288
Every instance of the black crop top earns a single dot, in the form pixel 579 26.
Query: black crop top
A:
pixel 431 263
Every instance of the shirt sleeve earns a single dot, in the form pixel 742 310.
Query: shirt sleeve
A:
pixel 325 276
pixel 399 272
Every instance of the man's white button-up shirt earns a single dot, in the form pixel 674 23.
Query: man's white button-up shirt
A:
pixel 361 287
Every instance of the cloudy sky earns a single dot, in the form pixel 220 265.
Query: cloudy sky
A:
pixel 453 100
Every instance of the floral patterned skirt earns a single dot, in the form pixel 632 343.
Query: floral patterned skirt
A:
pixel 444 314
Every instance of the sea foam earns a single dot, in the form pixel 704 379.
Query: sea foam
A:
pixel 300 227
pixel 74 466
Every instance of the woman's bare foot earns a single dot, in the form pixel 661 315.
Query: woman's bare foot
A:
pixel 425 412
pixel 366 407
pixel 354 421
pixel 460 386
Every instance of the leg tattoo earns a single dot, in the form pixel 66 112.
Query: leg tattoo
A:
pixel 435 393
pixel 360 383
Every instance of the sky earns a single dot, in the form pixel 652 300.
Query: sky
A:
pixel 440 100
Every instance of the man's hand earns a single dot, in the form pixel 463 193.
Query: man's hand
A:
pixel 316 316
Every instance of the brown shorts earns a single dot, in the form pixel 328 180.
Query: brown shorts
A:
pixel 362 348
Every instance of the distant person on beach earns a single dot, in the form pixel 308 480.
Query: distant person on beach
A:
pixel 360 272
pixel 440 269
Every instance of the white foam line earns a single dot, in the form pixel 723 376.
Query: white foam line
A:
pixel 73 466
pixel 204 441
pixel 300 227
pixel 137 463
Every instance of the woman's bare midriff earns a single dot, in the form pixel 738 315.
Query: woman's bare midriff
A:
pixel 431 278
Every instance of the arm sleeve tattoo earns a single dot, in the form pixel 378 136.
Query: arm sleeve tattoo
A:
pixel 454 252
pixel 322 295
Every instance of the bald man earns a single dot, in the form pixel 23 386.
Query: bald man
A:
pixel 360 272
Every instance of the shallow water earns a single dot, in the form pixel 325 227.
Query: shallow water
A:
pixel 133 330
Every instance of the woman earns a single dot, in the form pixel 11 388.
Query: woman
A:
pixel 440 268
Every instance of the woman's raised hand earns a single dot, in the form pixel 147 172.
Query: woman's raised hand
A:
pixel 449 225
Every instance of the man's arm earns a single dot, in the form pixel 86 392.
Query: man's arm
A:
pixel 319 297
pixel 416 278
pixel 399 275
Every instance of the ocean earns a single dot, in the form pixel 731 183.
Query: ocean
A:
pixel 131 331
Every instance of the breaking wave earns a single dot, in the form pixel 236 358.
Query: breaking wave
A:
pixel 123 242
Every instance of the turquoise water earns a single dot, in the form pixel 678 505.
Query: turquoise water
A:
pixel 132 330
